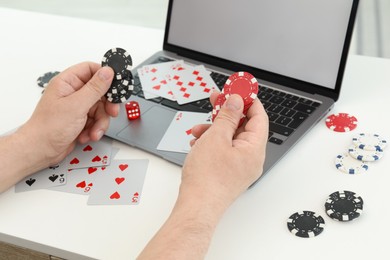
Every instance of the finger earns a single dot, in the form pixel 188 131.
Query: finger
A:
pixel 198 130
pixel 94 89
pixel 112 109
pixel 102 121
pixel 78 75
pixel 213 97
pixel 227 120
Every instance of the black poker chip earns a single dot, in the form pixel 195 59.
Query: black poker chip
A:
pixel 123 83
pixel 44 80
pixel 305 224
pixel 119 60
pixel 344 205
pixel 120 90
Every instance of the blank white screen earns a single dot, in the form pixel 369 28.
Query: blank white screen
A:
pixel 302 39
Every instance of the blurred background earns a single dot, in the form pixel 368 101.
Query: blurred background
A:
pixel 371 36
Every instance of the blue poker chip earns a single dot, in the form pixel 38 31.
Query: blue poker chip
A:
pixel 369 142
pixel 347 164
pixel 344 205
pixel 305 224
pixel 365 155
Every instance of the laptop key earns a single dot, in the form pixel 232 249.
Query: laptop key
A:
pixel 276 99
pixel 272 116
pixel 264 95
pixel 266 104
pixel 298 118
pixel 289 103
pixel 275 108
pixel 283 120
pixel 283 130
pixel 275 140
pixel 304 108
pixel 287 112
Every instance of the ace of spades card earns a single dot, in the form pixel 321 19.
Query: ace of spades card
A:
pixel 50 177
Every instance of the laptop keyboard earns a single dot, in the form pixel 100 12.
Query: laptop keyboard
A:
pixel 285 111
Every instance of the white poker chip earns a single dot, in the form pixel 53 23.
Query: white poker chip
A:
pixel 369 142
pixel 350 165
pixel 365 155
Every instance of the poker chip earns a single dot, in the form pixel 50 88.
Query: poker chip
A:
pixel 44 80
pixel 344 206
pixel 120 90
pixel 119 60
pixel 369 142
pixel 305 224
pixel 218 105
pixel 341 122
pixel 123 83
pixel 244 84
pixel 365 155
pixel 348 164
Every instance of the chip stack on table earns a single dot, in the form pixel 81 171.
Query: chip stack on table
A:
pixel 241 83
pixel 366 148
pixel 123 83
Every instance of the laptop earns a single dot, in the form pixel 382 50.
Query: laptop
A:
pixel 297 50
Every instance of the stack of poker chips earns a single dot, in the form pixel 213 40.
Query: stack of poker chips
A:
pixel 241 83
pixel 365 148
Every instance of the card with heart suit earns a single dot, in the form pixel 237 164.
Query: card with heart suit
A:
pixel 50 177
pixel 179 133
pixel 80 181
pixel 155 78
pixel 120 184
pixel 191 84
pixel 92 154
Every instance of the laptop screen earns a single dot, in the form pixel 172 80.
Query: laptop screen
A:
pixel 300 39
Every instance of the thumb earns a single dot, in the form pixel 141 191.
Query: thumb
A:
pixel 96 87
pixel 229 116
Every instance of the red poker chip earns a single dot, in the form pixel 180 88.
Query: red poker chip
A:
pixel 221 99
pixel 341 122
pixel 244 84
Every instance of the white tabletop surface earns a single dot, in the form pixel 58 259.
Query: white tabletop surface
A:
pixel 254 227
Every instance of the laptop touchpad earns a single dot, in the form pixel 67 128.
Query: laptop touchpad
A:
pixel 148 130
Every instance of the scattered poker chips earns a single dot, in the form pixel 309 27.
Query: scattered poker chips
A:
pixel 44 80
pixel 344 206
pixel 348 164
pixel 305 224
pixel 241 83
pixel 369 142
pixel 365 148
pixel 123 83
pixel 341 122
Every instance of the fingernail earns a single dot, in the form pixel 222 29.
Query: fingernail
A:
pixel 100 134
pixel 105 73
pixel 234 102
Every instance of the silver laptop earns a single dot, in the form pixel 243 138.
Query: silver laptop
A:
pixel 297 49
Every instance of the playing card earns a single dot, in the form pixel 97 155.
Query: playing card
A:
pixel 179 133
pixel 191 84
pixel 92 154
pixel 120 184
pixel 50 177
pixel 80 181
pixel 155 78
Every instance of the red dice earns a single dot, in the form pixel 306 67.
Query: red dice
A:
pixel 132 109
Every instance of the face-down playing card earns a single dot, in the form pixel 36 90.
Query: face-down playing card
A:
pixel 120 184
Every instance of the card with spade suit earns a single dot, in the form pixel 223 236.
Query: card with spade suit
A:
pixel 92 154
pixel 121 183
pixel 50 177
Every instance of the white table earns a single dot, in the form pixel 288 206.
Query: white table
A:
pixel 254 227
